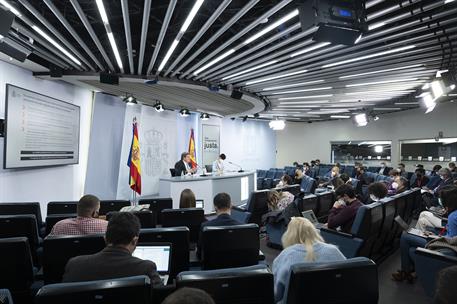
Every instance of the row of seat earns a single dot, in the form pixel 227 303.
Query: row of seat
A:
pixel 308 283
pixel 221 247
pixel 375 233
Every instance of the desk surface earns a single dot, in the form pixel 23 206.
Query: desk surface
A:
pixel 225 175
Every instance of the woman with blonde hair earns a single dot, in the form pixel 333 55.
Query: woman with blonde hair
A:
pixel 302 243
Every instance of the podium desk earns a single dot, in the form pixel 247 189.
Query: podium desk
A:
pixel 237 185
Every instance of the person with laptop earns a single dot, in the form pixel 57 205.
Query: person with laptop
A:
pixel 223 205
pixel 410 241
pixel 116 260
pixel 302 243
pixel 344 210
pixel 86 221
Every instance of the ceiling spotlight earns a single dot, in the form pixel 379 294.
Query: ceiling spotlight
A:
pixel 130 100
pixel 361 120
pixel 378 149
pixel 277 125
pixel 184 112
pixel 204 116
pixel 159 107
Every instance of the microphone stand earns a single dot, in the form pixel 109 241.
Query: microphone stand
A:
pixel 241 169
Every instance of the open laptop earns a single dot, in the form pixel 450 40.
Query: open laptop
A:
pixel 159 253
pixel 199 204
pixel 413 231
pixel 309 214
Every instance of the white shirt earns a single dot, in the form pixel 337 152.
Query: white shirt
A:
pixel 218 165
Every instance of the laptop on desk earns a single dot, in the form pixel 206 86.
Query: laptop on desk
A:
pixel 309 214
pixel 199 204
pixel 159 253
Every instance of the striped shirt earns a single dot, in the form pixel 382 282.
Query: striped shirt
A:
pixel 79 226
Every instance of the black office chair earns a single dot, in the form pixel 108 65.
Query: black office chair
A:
pixel 172 172
pixel 192 218
pixel 62 207
pixel 22 225
pixel 53 219
pixel 22 208
pixel 230 246
pixel 116 291
pixel 253 284
pixel 156 205
pixel 147 218
pixel 179 239
pixel 353 281
pixel 59 249
pixel 325 201
pixel 16 267
pixel 112 205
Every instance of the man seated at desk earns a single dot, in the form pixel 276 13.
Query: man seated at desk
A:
pixel 183 166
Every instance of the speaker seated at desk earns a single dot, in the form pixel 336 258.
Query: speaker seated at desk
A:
pixel 183 166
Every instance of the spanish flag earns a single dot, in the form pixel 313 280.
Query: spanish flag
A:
pixel 193 161
pixel 134 161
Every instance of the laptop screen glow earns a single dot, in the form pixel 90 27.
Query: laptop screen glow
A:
pixel 160 255
pixel 199 204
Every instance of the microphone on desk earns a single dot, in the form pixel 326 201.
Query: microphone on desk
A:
pixel 203 170
pixel 241 169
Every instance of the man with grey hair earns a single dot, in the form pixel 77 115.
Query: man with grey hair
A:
pixel 86 222
pixel 430 197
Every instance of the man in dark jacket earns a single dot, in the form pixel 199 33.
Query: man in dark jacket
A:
pixel 344 210
pixel 116 260
pixel 222 204
pixel 183 166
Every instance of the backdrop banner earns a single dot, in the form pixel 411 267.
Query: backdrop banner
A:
pixel 210 144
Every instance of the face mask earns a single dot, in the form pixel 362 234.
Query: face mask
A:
pixel 341 201
pixel 383 166
pixel 373 198
pixel 280 184
pixel 442 177
pixel 394 185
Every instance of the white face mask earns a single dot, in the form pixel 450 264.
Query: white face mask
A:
pixel 373 198
pixel 394 185
pixel 341 201
pixel 442 177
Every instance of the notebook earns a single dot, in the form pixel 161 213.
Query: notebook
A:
pixel 159 253
pixel 413 231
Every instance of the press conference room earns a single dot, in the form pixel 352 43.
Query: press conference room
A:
pixel 228 152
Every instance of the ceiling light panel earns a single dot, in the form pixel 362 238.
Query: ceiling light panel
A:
pixel 183 29
pixel 112 41
pixel 301 91
pixel 292 85
pixel 275 77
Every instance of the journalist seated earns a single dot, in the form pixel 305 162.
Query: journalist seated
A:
pixel 116 260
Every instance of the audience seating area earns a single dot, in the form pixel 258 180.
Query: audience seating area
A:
pixel 231 269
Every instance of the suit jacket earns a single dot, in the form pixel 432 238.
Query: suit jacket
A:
pixel 220 220
pixel 383 171
pixel 180 167
pixel 442 184
pixel 110 263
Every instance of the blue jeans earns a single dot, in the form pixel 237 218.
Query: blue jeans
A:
pixel 408 245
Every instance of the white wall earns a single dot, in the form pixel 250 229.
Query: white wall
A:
pixel 51 183
pixel 251 144
pixel 303 142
